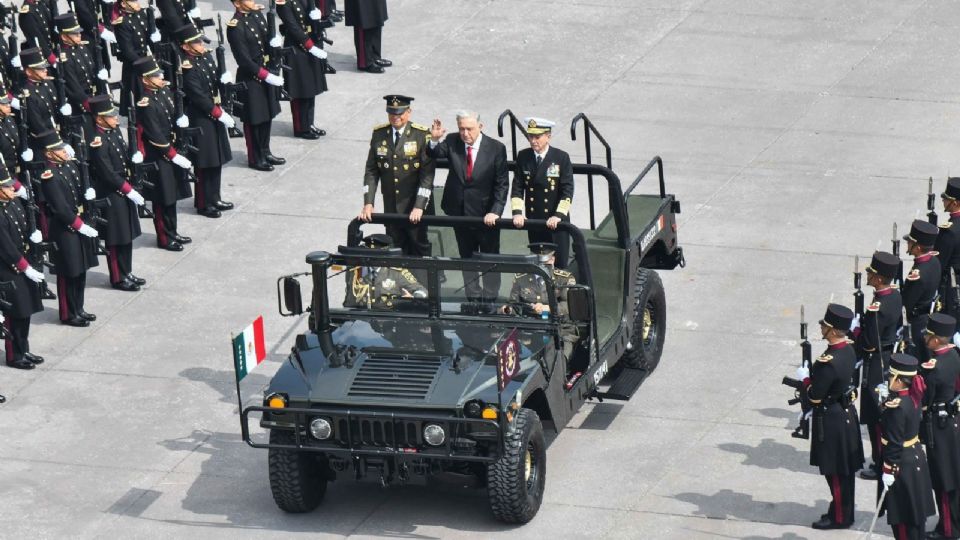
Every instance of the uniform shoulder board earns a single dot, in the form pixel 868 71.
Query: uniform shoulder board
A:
pixel 143 102
pixel 561 273
pixel 25 8
pixel 281 2
pixel 186 64
pixel 96 142
pixel 421 127
pixel 47 174
pixel 232 22
pixel 380 126
pixel 929 364
pixel 875 306
pixel 825 358
pixel 407 274
pixel 118 20
pixel 892 403
pixel 914 275
pixel 946 225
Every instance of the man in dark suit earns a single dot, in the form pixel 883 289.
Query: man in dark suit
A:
pixel 367 18
pixel 477 185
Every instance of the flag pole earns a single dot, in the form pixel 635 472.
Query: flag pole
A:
pixel 236 377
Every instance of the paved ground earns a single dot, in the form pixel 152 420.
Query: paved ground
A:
pixel 770 116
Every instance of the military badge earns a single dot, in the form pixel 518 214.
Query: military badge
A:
pixel 553 170
pixel 410 148
pixel 382 151
pixel 388 284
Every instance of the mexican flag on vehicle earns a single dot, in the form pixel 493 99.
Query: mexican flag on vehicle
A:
pixel 248 348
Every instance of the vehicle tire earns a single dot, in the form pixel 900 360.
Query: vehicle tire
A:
pixel 515 482
pixel 649 322
pixel 296 478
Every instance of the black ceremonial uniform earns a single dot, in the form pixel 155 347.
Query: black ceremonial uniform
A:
pixel 919 292
pixel 367 18
pixel 110 170
pixel 24 299
pixel 63 192
pixel 80 82
pixel 36 23
pixel 133 43
pixel 89 18
pixel 835 445
pixel 42 107
pixel 202 106
pixel 173 15
pixel 940 434
pixel 878 335
pixel 10 142
pixel 544 191
pixel 404 172
pixel 307 76
pixel 247 34
pixel 909 501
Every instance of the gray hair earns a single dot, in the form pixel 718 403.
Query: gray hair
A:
pixel 465 114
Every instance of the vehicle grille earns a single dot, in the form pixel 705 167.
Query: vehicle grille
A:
pixel 407 377
pixel 375 432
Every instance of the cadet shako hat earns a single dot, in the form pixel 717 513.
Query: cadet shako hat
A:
pixel 147 67
pixel 884 264
pixel 50 139
pixel 952 191
pixel 102 105
pixel 903 364
pixel 187 33
pixel 67 23
pixel 922 232
pixel 538 126
pixel 543 250
pixel 33 58
pixel 941 324
pixel 397 104
pixel 378 241
pixel 837 316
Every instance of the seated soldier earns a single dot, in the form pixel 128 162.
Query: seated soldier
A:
pixel 380 287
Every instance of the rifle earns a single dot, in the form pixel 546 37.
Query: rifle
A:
pixel 184 136
pixel 151 28
pixel 61 88
pixel 36 253
pixel 103 87
pixel 14 49
pixel 5 305
pixel 139 171
pixel 228 91
pixel 93 210
pixel 931 203
pixel 802 431
pixel 898 279
pixel 858 312
pixel 275 60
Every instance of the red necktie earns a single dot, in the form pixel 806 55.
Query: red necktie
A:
pixel 469 164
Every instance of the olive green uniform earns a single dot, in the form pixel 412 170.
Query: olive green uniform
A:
pixel 530 289
pixel 379 288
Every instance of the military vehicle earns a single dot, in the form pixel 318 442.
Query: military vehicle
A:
pixel 395 386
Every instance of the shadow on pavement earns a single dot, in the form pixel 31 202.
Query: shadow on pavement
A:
pixel 776 412
pixel 729 504
pixel 770 454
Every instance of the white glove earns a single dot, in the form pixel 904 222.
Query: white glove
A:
pixel 33 275
pixel 888 479
pixel 69 150
pixel 956 339
pixel 87 230
pixel 318 52
pixel 90 194
pixel 108 1
pixel 226 78
pixel 181 161
pixel 102 74
pixel 275 42
pixel 855 324
pixel 108 35
pixel 66 109
pixel 22 193
pixel 155 36
pixel 315 14
pixel 136 197
pixel 275 80
pixel 194 13
pixel 183 121
pixel 15 61
pixel 227 120
pixel 883 391
pixel 137 157
pixel 27 155
pixel 802 373
pixel 36 237
pixel 15 103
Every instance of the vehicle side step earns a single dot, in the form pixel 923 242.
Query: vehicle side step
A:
pixel 626 384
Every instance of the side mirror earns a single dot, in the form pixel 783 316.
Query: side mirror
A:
pixel 292 299
pixel 578 303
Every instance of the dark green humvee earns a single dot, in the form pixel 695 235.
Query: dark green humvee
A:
pixel 438 382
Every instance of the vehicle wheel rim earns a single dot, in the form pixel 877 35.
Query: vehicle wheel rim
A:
pixel 649 326
pixel 530 468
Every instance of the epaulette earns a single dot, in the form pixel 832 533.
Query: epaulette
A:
pixel 913 275
pixel 892 403
pixel 281 2
pixel 96 142
pixel 143 102
pixel 946 225
pixel 407 274
pixel 929 364
pixel 380 126
pixel 561 273
pixel 118 20
pixel 825 358
pixel 232 22
pixel 419 126
pixel 874 306
pixel 25 8
pixel 186 64
pixel 47 174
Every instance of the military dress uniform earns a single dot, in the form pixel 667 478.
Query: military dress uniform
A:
pixel 835 446
pixel 908 502
pixel 36 23
pixel 173 15
pixel 133 43
pixel 248 37
pixel 919 290
pixel 110 169
pixel 76 253
pixel 307 76
pixel 367 18
pixel 79 74
pixel 24 298
pixel 41 99
pixel 875 342
pixel 940 431
pixel 202 106
pixel 947 247
pixel 155 125
pixel 543 186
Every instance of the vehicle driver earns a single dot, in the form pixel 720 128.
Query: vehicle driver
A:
pixel 380 287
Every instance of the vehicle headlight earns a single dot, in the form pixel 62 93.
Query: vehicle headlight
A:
pixel 320 429
pixel 434 435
